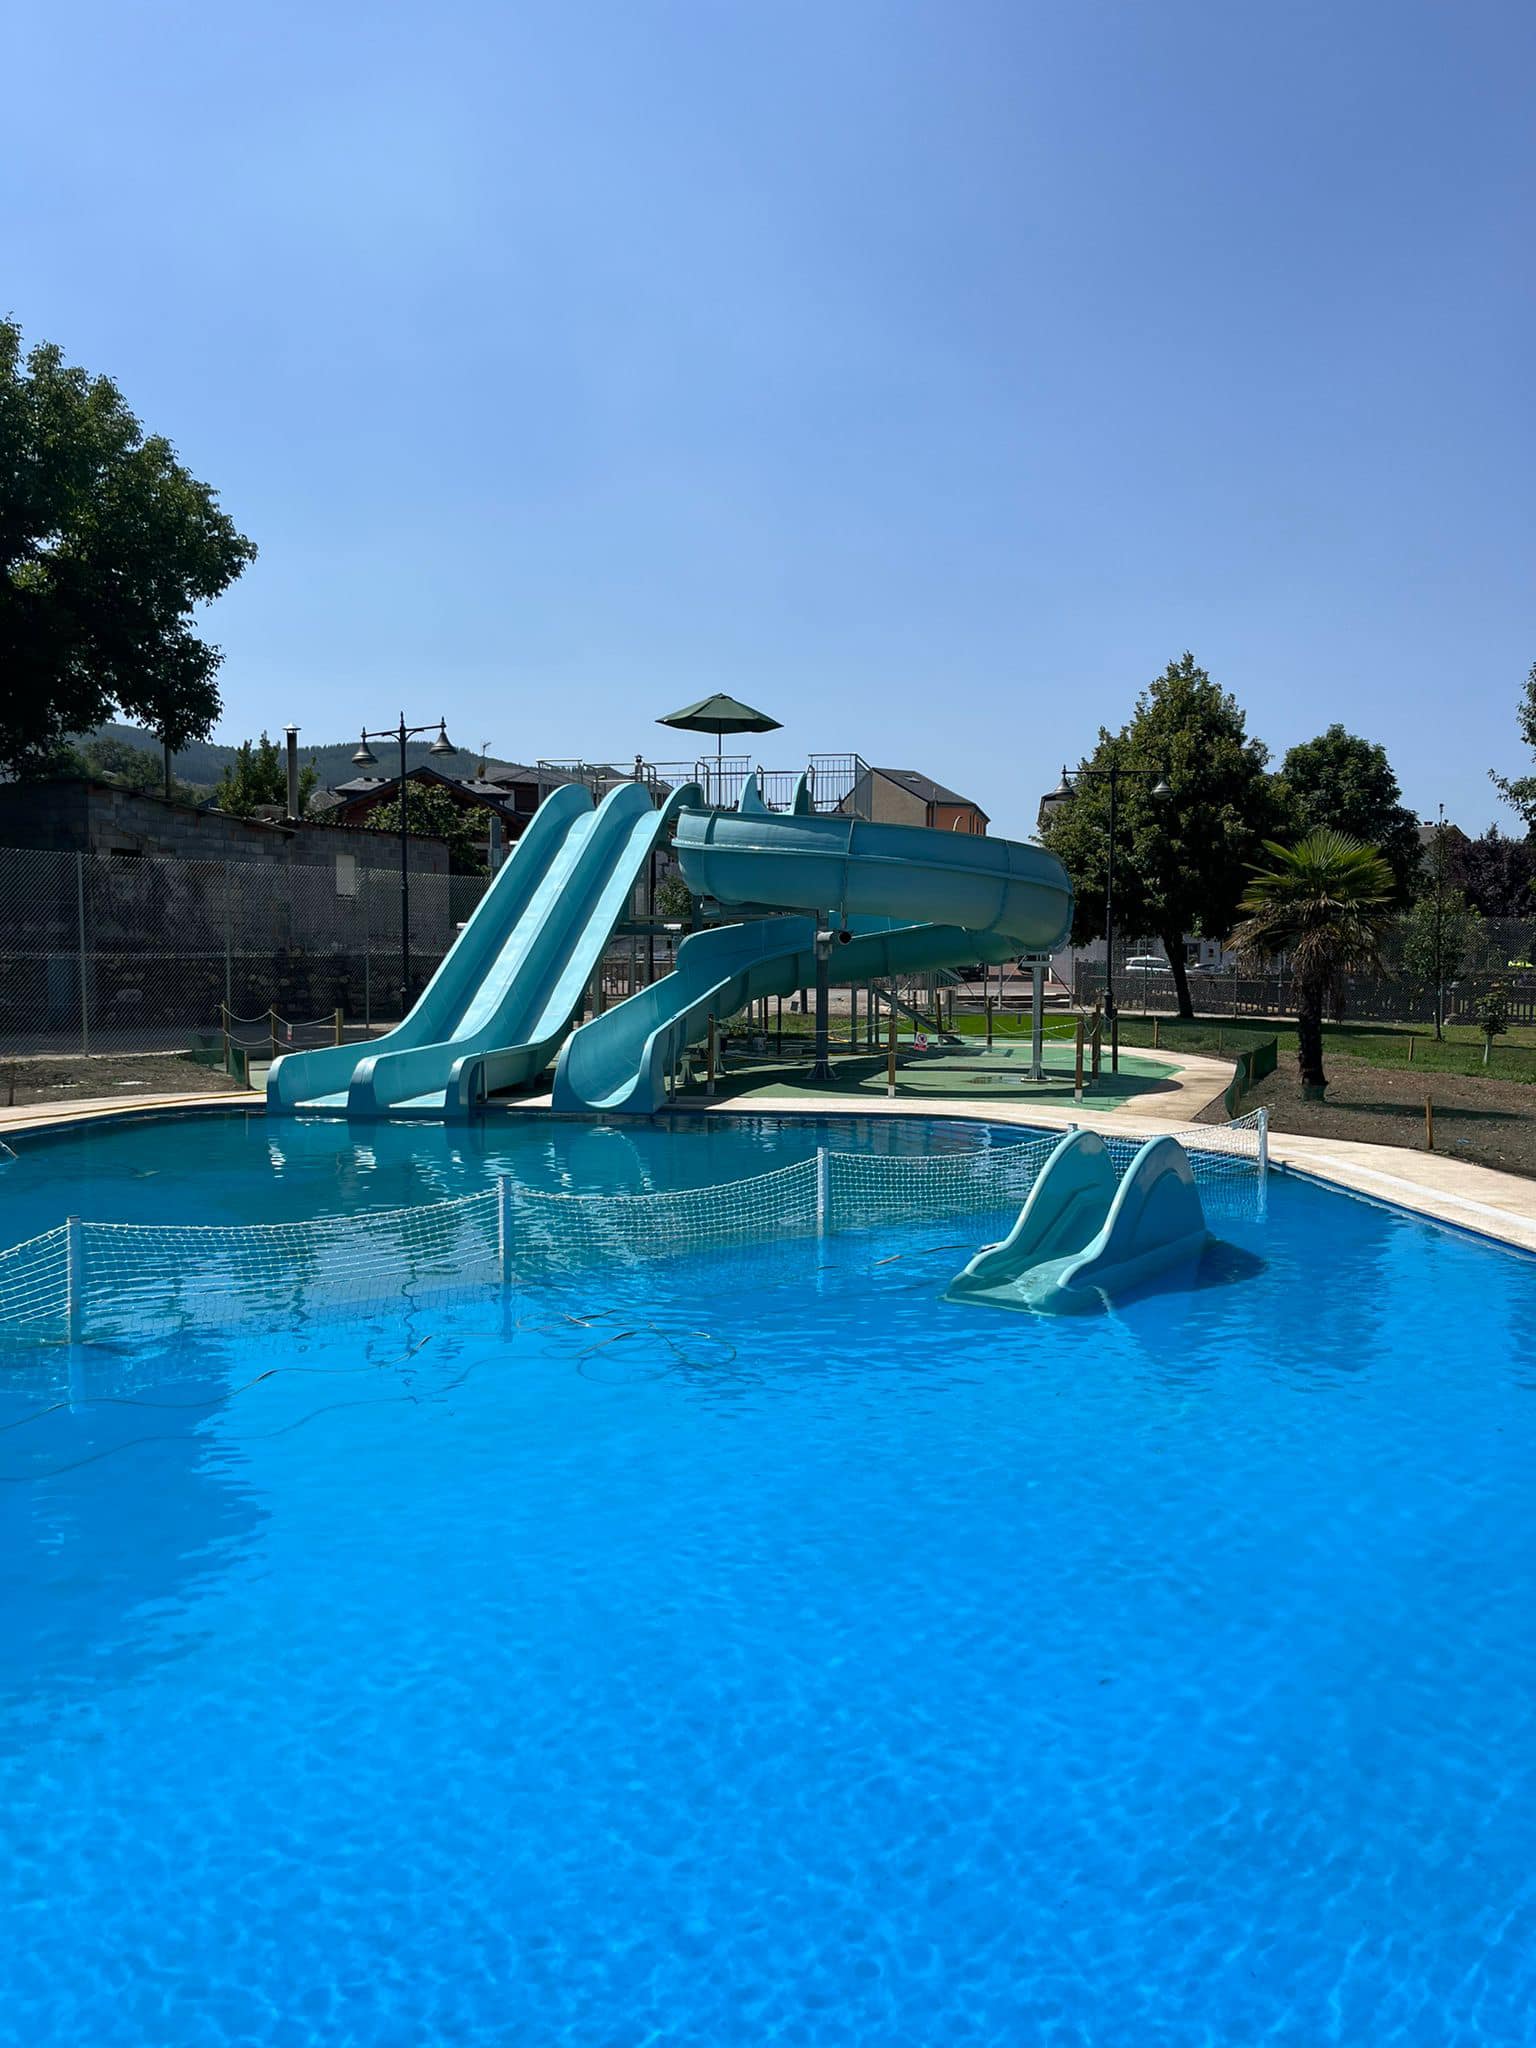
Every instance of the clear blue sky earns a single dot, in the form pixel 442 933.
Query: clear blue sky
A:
pixel 926 371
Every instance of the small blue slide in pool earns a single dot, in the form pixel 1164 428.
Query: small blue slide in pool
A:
pixel 901 898
pixel 1086 1235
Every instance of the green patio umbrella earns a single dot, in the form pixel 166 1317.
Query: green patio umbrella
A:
pixel 720 714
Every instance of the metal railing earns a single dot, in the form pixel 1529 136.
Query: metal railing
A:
pixel 834 777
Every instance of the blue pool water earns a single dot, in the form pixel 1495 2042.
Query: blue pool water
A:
pixel 766 1651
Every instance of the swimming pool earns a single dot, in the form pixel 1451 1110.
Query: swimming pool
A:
pixel 757 1648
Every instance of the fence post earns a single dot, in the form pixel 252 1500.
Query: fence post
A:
pixel 338 1024
pixel 85 1000
pixel 74 1279
pixel 503 1231
pixel 989 1023
pixel 823 1190
pixel 272 1027
pixel 224 1027
pixel 1077 1082
pixel 229 994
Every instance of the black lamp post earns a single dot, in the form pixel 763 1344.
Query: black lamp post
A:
pixel 1114 774
pixel 366 758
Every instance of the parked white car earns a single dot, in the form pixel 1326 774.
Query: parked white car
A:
pixel 1148 963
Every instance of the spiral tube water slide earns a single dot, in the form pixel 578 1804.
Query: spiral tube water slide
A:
pixel 902 899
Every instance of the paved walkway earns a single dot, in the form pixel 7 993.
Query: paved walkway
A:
pixel 1477 1198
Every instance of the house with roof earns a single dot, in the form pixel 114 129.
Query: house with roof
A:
pixel 905 796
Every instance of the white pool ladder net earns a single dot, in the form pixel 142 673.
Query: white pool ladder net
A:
pixel 107 1281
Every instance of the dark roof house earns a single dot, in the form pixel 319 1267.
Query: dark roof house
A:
pixel 906 796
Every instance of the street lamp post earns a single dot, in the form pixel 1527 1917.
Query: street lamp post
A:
pixel 1061 794
pixel 366 758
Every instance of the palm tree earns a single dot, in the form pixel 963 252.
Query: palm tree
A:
pixel 1326 902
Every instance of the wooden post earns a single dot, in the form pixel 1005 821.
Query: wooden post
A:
pixel 1157 1036
pixel 338 1025
pixel 1114 1043
pixel 224 1023
pixel 1410 1048
pixel 1429 1125
pixel 1097 1044
pixel 1077 1082
pixel 989 1023
pixel 890 1058
pixel 272 1026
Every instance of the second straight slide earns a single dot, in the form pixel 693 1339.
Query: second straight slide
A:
pixel 506 992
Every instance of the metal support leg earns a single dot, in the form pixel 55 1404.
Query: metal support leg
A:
pixel 822 1069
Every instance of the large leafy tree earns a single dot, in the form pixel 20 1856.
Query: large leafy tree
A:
pixel 107 546
pixel 259 775
pixel 431 813
pixel 1181 861
pixel 1520 790
pixel 1325 904
pixel 1497 874
pixel 1346 783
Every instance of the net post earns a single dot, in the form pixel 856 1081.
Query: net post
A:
pixel 74 1279
pixel 823 1190
pixel 1263 1164
pixel 503 1232
pixel 337 1023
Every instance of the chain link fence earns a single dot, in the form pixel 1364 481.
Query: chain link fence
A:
pixel 104 954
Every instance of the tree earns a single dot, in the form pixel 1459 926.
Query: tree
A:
pixel 1347 783
pixel 1495 873
pixel 1491 1014
pixel 110 760
pixel 1180 862
pixel 259 775
pixel 1520 790
pixel 107 544
pixel 432 813
pixel 1441 938
pixel 1325 903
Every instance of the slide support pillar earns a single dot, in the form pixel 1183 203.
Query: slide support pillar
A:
pixel 822 1069
pixel 1036 1020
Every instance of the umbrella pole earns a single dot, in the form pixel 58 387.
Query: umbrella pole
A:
pixel 719 771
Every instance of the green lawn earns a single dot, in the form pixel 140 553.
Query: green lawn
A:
pixel 1379 1045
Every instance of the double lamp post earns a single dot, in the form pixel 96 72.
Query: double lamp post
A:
pixel 365 758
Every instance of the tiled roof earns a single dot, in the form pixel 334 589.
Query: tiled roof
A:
pixel 924 787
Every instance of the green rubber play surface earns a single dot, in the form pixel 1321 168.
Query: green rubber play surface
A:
pixel 967 1072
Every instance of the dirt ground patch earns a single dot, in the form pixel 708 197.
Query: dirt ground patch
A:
pixel 1489 1121
pixel 66 1077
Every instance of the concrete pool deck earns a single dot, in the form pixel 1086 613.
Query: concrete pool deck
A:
pixel 1454 1191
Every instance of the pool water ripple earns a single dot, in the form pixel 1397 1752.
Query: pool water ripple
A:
pixel 770 1652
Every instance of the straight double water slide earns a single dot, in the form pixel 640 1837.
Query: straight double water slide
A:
pixel 906 899
pixel 506 992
